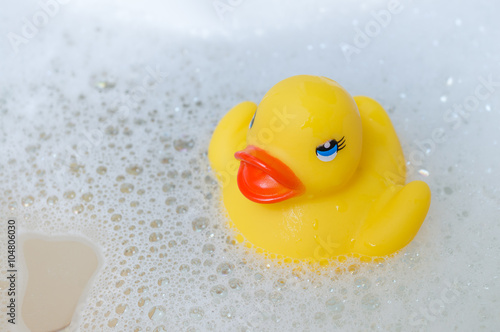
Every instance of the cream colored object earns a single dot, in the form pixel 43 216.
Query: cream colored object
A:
pixel 58 272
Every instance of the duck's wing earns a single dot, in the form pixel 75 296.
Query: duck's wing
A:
pixel 230 136
pixel 380 142
pixel 397 223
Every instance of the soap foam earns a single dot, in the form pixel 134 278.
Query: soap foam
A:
pixel 106 118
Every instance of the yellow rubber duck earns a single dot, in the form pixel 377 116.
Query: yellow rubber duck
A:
pixel 313 173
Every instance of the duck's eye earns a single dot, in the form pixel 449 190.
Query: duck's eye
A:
pixel 328 151
pixel 253 119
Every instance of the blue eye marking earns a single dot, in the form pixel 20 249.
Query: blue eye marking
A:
pixel 328 150
pixel 253 119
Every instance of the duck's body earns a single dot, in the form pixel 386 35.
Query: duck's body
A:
pixel 286 201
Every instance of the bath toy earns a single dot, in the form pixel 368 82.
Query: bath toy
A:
pixel 313 173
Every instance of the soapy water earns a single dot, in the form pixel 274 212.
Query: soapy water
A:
pixel 104 134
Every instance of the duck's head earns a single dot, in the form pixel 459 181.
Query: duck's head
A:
pixel 304 139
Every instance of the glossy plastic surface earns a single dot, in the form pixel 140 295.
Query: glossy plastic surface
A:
pixel 312 173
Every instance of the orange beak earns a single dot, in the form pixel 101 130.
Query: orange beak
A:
pixel 263 178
